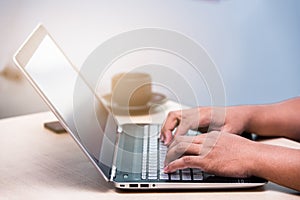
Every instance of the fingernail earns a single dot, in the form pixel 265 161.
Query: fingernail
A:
pixel 166 169
pixel 161 138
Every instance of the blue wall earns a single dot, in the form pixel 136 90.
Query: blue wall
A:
pixel 255 43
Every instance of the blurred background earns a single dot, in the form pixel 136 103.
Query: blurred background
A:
pixel 254 43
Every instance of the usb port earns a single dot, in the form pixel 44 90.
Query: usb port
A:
pixel 144 185
pixel 133 185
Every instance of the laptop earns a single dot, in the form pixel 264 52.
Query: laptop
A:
pixel 129 155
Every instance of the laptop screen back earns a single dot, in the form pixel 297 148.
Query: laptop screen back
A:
pixel 68 95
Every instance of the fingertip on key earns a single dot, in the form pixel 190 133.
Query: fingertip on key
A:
pixel 166 142
pixel 166 169
pixel 162 138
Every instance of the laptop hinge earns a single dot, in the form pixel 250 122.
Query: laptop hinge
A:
pixel 114 168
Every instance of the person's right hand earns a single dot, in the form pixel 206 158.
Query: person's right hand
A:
pixel 229 119
pixel 218 153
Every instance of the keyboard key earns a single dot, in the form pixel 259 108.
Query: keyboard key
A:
pixel 143 176
pixel 161 166
pixel 146 132
pixel 186 177
pixel 152 174
pixel 197 177
pixel 175 176
pixel 153 131
pixel 197 174
pixel 152 171
pixel 196 171
pixel 186 174
pixel 153 166
pixel 153 158
pixel 163 176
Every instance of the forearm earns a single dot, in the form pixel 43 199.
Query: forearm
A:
pixel 279 119
pixel 281 167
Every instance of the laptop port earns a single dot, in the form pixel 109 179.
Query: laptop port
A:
pixel 133 185
pixel 144 185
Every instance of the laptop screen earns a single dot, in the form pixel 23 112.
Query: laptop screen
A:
pixel 72 100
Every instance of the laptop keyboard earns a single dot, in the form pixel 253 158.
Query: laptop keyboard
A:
pixel 154 153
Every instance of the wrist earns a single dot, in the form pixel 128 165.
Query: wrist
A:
pixel 255 114
pixel 253 161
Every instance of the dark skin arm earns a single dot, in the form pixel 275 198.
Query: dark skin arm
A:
pixel 231 155
pixel 279 119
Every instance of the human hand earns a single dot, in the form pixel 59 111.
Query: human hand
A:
pixel 219 153
pixel 230 119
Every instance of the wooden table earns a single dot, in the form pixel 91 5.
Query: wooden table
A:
pixel 38 164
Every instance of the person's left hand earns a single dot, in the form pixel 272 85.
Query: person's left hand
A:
pixel 219 153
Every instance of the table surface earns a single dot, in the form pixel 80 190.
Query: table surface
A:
pixel 35 163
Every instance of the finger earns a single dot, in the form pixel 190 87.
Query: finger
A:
pixel 169 125
pixel 189 120
pixel 199 139
pixel 184 162
pixel 183 148
pixel 183 128
pixel 167 137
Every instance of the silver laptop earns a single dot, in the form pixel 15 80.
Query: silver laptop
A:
pixel 130 155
